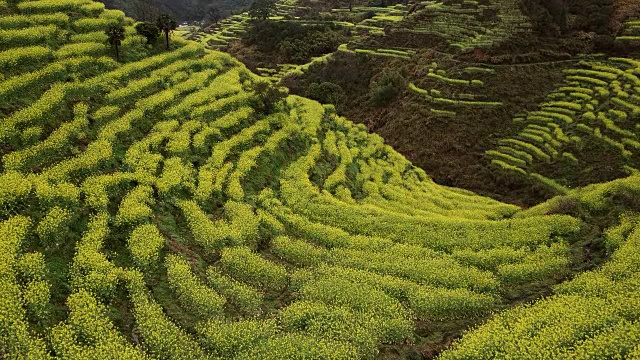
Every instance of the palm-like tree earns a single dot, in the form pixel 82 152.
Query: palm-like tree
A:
pixel 115 35
pixel 166 24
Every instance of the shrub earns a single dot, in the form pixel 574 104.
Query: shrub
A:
pixel 267 97
pixel 134 207
pixel 36 296
pixel 592 15
pixel 89 333
pixel 18 57
pixel 161 337
pixel 247 299
pixel 298 252
pixel 386 87
pixel 326 93
pixel 32 266
pixel 91 270
pixel 227 340
pixel 34 35
pixel 149 30
pixel 14 192
pixel 295 43
pixel 261 9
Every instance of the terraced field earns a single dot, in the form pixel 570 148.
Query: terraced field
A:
pixel 462 25
pixel 221 35
pixel 218 36
pixel 631 31
pixel 468 24
pixel 159 207
pixel 464 93
pixel 597 106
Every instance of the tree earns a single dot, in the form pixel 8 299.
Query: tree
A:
pixel 386 86
pixel 143 10
pixel 166 24
pixel 148 30
pixel 261 9
pixel 214 14
pixel 115 34
pixel 267 97
pixel 549 17
pixel 592 15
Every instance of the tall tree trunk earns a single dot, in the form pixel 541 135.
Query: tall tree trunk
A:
pixel 117 52
pixel 166 34
pixel 350 5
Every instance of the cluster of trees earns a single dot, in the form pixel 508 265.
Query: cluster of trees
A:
pixel 182 10
pixel 262 9
pixel 587 15
pixel 294 43
pixel 151 30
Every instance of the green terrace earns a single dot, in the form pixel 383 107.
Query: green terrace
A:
pixel 631 31
pixel 466 24
pixel 164 205
pixel 448 95
pixel 599 103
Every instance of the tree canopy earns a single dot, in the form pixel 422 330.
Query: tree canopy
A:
pixel 181 10
pixel 261 9
pixel 166 24
pixel 148 30
pixel 214 14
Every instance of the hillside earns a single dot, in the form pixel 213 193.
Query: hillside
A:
pixel 369 60
pixel 182 10
pixel 174 205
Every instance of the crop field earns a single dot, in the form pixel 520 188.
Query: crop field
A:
pixel 631 31
pixel 220 35
pixel 462 24
pixel 156 208
pixel 468 24
pixel 597 105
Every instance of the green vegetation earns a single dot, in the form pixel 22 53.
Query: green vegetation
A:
pixel 469 24
pixel 173 204
pixel 592 315
pixel 149 31
pixel 115 34
pixel 597 105
pixel 261 9
pixel 166 24
pixel 435 96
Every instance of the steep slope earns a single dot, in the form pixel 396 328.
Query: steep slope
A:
pixel 586 131
pixel 467 108
pixel 518 43
pixel 595 315
pixel 163 207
